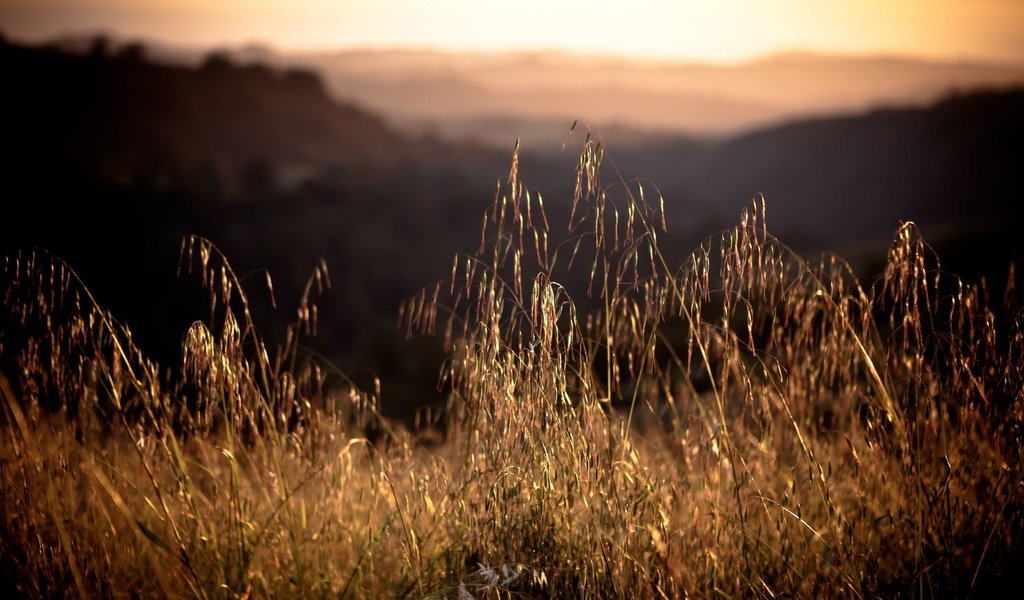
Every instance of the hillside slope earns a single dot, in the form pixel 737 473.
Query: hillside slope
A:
pixel 833 183
pixel 120 116
pixel 108 160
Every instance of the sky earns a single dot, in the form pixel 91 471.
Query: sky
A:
pixel 711 30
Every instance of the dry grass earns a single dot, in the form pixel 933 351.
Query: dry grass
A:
pixel 743 424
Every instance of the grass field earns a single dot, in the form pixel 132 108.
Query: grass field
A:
pixel 746 423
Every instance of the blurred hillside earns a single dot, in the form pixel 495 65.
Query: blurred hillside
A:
pixel 472 95
pixel 835 182
pixel 109 159
pixel 496 97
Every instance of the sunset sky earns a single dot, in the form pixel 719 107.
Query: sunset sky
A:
pixel 718 30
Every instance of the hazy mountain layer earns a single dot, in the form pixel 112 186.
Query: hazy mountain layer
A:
pixel 109 159
pixel 445 89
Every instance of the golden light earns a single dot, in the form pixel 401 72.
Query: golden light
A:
pixel 720 30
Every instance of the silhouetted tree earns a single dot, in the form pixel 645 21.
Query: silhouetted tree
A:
pixel 218 61
pixel 304 80
pixel 99 47
pixel 132 53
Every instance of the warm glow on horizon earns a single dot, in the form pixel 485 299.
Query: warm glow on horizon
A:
pixel 719 30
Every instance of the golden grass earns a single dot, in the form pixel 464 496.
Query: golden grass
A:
pixel 745 424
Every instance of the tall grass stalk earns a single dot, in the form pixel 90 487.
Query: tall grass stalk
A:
pixel 745 423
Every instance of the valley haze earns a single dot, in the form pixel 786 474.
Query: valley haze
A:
pixel 368 157
pixel 497 97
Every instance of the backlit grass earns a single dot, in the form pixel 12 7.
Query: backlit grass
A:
pixel 745 423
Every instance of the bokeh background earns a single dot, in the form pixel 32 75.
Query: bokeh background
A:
pixel 371 135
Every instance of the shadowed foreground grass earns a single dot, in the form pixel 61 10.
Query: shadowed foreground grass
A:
pixel 742 424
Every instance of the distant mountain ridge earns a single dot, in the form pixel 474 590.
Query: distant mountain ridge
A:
pixel 111 110
pixel 456 94
pixel 109 158
pixel 117 114
pixel 678 97
pixel 832 181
